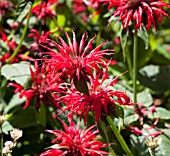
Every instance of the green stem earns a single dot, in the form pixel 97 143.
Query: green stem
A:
pixel 119 137
pixel 151 151
pixel 102 127
pixel 2 141
pixel 135 67
pixel 129 62
pixel 22 38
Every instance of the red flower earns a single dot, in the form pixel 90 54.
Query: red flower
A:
pixel 43 86
pixel 146 131
pixel 44 9
pixel 77 61
pixel 101 100
pixel 75 141
pixel 78 6
pixel 138 11
pixel 40 39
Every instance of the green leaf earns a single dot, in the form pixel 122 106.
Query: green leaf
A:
pixel 160 113
pixel 145 98
pixel 61 20
pixel 103 133
pixel 138 142
pixel 24 12
pixel 119 111
pixel 120 124
pixel 163 149
pixel 6 127
pixel 23 118
pixel 162 50
pixel 41 115
pixel 123 38
pixel 2 104
pixel 144 54
pixel 36 2
pixel 130 119
pixel 18 72
pixel 15 101
pixel 3 48
pixel 143 34
pixel 155 77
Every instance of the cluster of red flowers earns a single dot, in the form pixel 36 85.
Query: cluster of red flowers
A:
pixel 75 141
pixel 74 71
pixel 45 9
pixel 70 75
pixel 138 12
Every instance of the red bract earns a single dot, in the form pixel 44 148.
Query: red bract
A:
pixel 78 6
pixel 43 85
pixel 101 100
pixel 74 141
pixel 149 131
pixel 44 9
pixel 77 61
pixel 138 11
pixel 40 39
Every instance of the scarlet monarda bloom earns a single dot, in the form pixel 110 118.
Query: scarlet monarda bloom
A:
pixel 77 60
pixel 138 11
pixel 42 87
pixel 78 6
pixel 74 141
pixel 44 9
pixel 101 99
pixel 39 39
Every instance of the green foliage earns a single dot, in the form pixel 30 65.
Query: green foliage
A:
pixel 160 113
pixel 145 98
pixel 3 48
pixel 18 72
pixel 24 12
pixel 155 77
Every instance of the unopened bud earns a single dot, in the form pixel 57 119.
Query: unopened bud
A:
pixel 16 134
pixel 153 143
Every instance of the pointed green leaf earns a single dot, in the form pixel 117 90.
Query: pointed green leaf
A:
pixel 143 34
pixel 123 38
pixel 24 12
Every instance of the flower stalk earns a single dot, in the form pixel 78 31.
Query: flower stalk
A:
pixel 22 38
pixel 151 151
pixel 2 141
pixel 135 67
pixel 119 136
pixel 102 126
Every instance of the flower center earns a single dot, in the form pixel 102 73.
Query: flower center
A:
pixel 133 3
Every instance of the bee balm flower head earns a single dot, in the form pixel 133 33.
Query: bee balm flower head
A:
pixel 75 141
pixel 138 12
